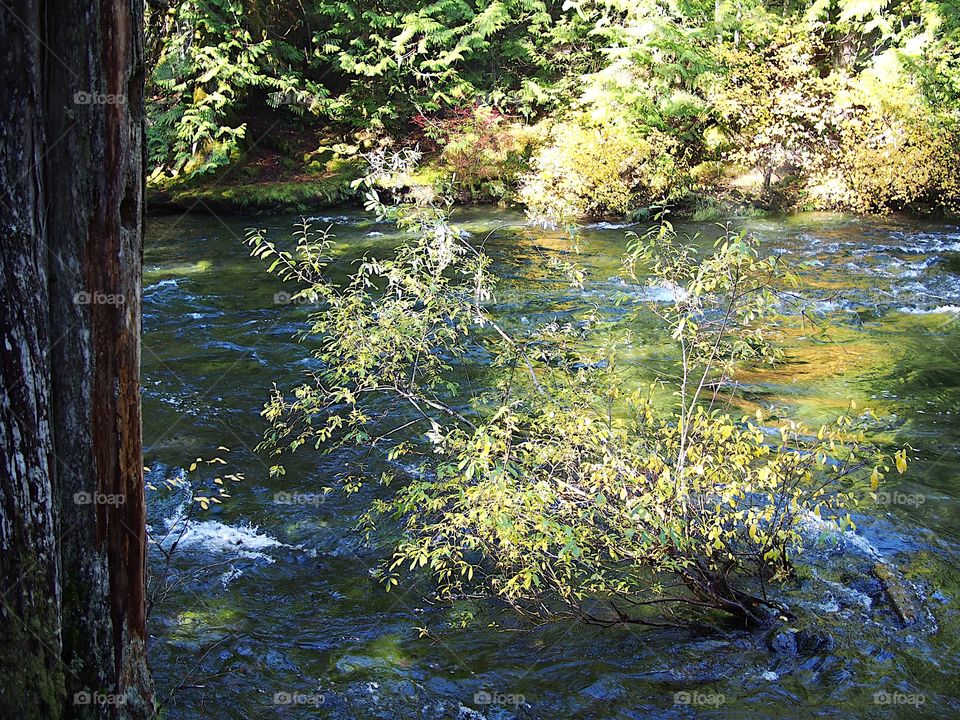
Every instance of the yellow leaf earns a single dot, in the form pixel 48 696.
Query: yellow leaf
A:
pixel 901 459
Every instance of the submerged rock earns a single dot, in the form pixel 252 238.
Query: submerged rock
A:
pixel 793 641
pixel 606 688
pixel 900 592
pixel 784 642
pixel 813 643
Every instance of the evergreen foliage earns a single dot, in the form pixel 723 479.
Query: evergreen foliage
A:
pixel 848 104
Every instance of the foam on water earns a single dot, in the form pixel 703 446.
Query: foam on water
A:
pixel 169 282
pixel 814 526
pixel 609 226
pixel 230 575
pixel 852 595
pixel 931 244
pixel 664 292
pixel 161 290
pixel 343 219
pixel 931 311
pixel 214 536
pixel 898 277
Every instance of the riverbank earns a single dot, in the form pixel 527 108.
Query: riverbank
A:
pixel 264 183
pixel 306 170
pixel 274 187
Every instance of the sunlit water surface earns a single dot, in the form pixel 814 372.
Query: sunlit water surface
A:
pixel 277 598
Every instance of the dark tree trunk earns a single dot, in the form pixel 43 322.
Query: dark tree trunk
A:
pixel 72 536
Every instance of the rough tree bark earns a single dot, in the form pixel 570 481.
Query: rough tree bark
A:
pixel 72 517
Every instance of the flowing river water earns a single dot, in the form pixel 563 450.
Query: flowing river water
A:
pixel 268 610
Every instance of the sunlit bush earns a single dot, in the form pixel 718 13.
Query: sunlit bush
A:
pixel 598 168
pixel 553 485
pixel 481 150
pixel 888 149
pixel 866 141
pixel 773 105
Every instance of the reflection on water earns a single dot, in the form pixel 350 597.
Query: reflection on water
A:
pixel 277 615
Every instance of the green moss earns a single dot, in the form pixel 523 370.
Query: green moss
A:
pixel 430 175
pixel 707 208
pixel 330 187
pixel 30 671
pixel 377 657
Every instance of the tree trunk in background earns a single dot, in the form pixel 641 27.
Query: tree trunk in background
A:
pixel 72 516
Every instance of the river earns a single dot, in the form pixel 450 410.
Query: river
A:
pixel 271 611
